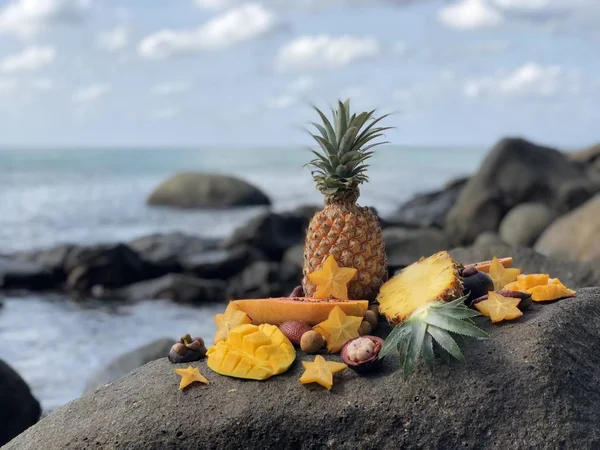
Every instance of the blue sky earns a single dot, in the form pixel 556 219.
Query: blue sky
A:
pixel 231 72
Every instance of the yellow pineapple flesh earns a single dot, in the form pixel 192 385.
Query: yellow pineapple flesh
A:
pixel 428 280
pixel 347 231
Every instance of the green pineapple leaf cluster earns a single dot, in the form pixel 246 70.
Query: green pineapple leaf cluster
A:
pixel 432 330
pixel 345 142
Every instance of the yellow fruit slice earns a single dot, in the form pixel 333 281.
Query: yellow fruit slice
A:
pixel 501 275
pixel 338 329
pixel 499 308
pixel 252 352
pixel 231 318
pixel 530 280
pixel 332 280
pixel 549 292
pixel 321 371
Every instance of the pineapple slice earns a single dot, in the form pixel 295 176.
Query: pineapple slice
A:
pixel 428 280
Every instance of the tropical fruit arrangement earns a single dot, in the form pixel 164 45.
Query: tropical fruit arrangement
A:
pixel 345 291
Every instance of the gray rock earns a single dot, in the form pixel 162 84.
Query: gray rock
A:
pixel 295 256
pixel 54 258
pixel 206 190
pixel 18 407
pixel 489 238
pixel 575 235
pixel 429 209
pixel 574 193
pixel 271 233
pixel 129 361
pixel 524 224
pixel 586 156
pixel 533 384
pixel 16 274
pixel 264 279
pixel 179 288
pixel 573 274
pixel 221 264
pixel 405 246
pixel 514 172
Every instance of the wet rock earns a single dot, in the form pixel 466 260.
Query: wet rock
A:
pixel 207 190
pixel 264 279
pixel 540 367
pixel 574 193
pixel 18 407
pixel 15 274
pixel 515 171
pixel 271 233
pixel 54 258
pixel 405 246
pixel 429 209
pixel 179 288
pixel 221 264
pixel 524 224
pixel 106 265
pixel 574 235
pixel 294 256
pixel 129 361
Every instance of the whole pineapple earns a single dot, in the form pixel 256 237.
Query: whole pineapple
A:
pixel 349 232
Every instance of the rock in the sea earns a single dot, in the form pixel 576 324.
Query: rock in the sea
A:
pixel 180 288
pixel 270 232
pixel 207 190
pixel 571 273
pixel 129 361
pixel 532 384
pixel 54 258
pixel 105 265
pixel 429 209
pixel 221 264
pixel 405 246
pixel 264 279
pixel 575 235
pixel 18 407
pixel 524 224
pixel 294 256
pixel 18 274
pixel 165 250
pixel 514 172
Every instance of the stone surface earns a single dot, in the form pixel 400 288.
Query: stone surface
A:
pixel 264 279
pixel 575 235
pixel 573 274
pixel 129 361
pixel 221 264
pixel 294 256
pixel 54 258
pixel 18 408
pixel 489 238
pixel 533 384
pixel 514 172
pixel 405 246
pixel 524 224
pixel 429 209
pixel 270 232
pixel 206 190
pixel 17 274
pixel 180 288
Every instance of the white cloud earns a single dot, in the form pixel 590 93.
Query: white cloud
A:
pixel 30 59
pixel 469 14
pixel 280 102
pixel 400 48
pixel 7 85
pixel 170 88
pixel 43 84
pixel 113 40
pixel 232 27
pixel 26 18
pixel 90 93
pixel 531 78
pixel 164 113
pixel 326 52
pixel 213 4
pixel 301 84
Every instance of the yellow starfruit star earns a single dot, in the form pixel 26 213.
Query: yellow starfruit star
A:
pixel 231 318
pixel 332 280
pixel 499 308
pixel 500 275
pixel 338 329
pixel 321 371
pixel 188 376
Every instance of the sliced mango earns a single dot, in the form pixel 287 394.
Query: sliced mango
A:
pixel 231 318
pixel 549 292
pixel 530 280
pixel 252 352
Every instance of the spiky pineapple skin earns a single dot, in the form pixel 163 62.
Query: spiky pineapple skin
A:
pixel 352 234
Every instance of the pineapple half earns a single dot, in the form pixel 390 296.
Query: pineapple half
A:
pixel 426 281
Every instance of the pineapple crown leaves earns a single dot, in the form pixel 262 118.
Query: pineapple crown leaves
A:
pixel 345 145
pixel 430 330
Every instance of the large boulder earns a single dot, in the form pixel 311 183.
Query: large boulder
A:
pixel 429 209
pixel 180 288
pixel 524 224
pixel 18 274
pixel 575 235
pixel 206 190
pixel 532 384
pixel 18 407
pixel 128 361
pixel 221 264
pixel 270 232
pixel 514 172
pixel 264 279
pixel 54 258
pixel 405 246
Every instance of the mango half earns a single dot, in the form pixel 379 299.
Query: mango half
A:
pixel 252 352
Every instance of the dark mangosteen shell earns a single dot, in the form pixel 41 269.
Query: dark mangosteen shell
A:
pixel 477 285
pixel 366 366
